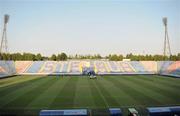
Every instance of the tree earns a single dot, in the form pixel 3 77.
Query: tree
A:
pixel 38 57
pixel 120 57
pixel 178 56
pixel 28 56
pixel 18 56
pixel 4 56
pixel 58 57
pixel 53 57
pixel 98 56
pixel 62 57
pixel 173 57
pixel 129 56
pixel 115 57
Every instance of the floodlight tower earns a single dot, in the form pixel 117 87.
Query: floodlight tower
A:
pixel 167 49
pixel 4 42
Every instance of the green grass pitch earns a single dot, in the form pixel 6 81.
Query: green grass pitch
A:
pixel 32 93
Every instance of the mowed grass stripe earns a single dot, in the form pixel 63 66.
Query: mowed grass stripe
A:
pixel 166 80
pixel 149 91
pixel 15 80
pixel 79 92
pixel 46 98
pixel 15 91
pixel 136 91
pixel 11 96
pixel 103 88
pixel 160 80
pixel 9 88
pixel 156 90
pixel 171 81
pixel 170 95
pixel 122 97
pixel 65 97
pixel 83 96
pixel 30 94
pixel 133 95
pixel 9 80
pixel 98 98
pixel 164 86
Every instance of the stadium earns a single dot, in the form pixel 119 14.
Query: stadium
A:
pixel 89 86
pixel 119 84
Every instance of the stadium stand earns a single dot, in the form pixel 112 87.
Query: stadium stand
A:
pixel 75 67
pixel 174 68
pixel 175 72
pixel 65 67
pixel 113 67
pixel 48 67
pixel 84 64
pixel 7 68
pixel 101 67
pixel 58 67
pixel 169 68
pixel 150 66
pixel 35 67
pixel 162 65
pixel 126 67
pixel 138 67
pixel 22 66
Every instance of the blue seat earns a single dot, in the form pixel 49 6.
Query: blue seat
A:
pixel 65 67
pixel 113 66
pixel 163 65
pixel 36 66
pixel 176 72
pixel 138 66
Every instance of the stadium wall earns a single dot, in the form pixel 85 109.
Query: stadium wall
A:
pixel 74 67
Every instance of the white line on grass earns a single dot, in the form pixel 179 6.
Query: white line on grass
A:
pixel 101 94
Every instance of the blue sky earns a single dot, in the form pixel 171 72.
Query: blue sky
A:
pixel 90 26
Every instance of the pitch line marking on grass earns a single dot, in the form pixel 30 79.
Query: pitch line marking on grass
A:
pixel 101 95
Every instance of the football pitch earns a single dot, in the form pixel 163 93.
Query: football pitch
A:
pixel 29 94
